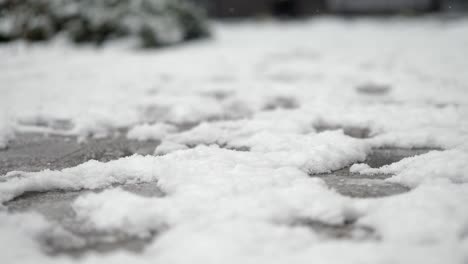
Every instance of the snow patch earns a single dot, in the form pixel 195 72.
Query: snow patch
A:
pixel 151 132
pixel 449 165
pixel 6 131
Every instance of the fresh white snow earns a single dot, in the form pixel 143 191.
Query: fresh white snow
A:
pixel 151 131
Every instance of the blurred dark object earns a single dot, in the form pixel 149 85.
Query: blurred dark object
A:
pixel 153 22
pixel 383 6
pixel 297 8
pixel 454 5
pixel 281 8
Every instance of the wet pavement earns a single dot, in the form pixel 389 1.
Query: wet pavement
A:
pixel 348 230
pixel 32 152
pixel 75 237
pixel 366 186
pixel 35 152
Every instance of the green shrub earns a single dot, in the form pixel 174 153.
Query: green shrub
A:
pixel 153 22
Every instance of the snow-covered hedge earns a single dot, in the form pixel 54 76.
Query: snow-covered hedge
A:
pixel 154 22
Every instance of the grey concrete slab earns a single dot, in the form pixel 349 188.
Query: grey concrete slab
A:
pixel 347 230
pixel 35 152
pixel 355 132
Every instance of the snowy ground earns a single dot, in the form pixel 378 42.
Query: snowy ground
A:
pixel 247 121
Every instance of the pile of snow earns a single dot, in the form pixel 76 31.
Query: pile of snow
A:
pixel 312 152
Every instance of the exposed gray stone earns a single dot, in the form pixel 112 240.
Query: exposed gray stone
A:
pixel 34 152
pixel 72 236
pixel 365 186
pixel 373 89
pixel 352 131
pixel 348 230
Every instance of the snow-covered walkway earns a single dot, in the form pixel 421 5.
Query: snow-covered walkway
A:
pixel 246 120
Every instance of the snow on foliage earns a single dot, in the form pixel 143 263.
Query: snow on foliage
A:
pixel 154 22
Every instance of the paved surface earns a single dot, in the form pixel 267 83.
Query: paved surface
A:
pixel 32 152
pixel 357 185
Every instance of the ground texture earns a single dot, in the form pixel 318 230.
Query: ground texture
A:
pixel 323 141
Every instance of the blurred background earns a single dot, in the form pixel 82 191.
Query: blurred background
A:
pixel 158 23
pixel 297 8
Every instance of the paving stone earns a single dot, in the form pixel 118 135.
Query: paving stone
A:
pixel 35 152
pixel 373 89
pixel 367 186
pixel 77 237
pixel 348 230
pixel 355 132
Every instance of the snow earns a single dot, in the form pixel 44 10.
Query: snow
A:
pixel 281 141
pixel 237 80
pixel 244 119
pixel 236 200
pixel 431 214
pixel 151 132
pixel 20 235
pixel 167 147
pixel 6 131
pixel 447 165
